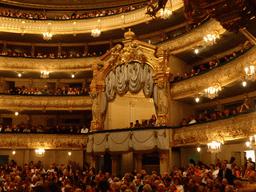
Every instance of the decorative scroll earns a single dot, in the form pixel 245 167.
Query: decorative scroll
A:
pixel 133 74
pixel 126 141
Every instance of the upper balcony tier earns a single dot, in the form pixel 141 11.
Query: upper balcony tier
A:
pixel 78 26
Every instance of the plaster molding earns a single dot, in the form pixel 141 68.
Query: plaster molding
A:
pixel 51 65
pixel 46 141
pixel 18 102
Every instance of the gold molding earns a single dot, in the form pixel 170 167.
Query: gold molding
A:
pixel 58 27
pixel 51 65
pixel 46 141
pixel 223 75
pixel 19 102
pixel 239 127
pixel 193 38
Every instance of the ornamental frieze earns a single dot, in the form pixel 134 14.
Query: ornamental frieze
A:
pixel 222 75
pixel 52 65
pixel 46 141
pixel 238 127
pixel 45 102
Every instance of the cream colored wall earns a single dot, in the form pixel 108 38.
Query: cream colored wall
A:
pixel 59 157
pixel 178 66
pixel 128 108
pixel 179 111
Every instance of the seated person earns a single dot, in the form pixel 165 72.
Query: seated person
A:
pixel 183 122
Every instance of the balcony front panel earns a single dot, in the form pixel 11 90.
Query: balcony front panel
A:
pixel 40 102
pixel 51 65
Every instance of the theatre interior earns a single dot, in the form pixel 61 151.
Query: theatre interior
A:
pixel 183 69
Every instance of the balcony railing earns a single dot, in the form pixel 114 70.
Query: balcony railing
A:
pixel 42 102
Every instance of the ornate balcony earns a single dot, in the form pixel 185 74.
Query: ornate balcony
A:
pixel 40 102
pixel 52 65
pixel 26 26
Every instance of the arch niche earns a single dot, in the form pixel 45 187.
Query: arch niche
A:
pixel 134 68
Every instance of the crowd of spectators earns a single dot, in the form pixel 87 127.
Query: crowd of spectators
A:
pixel 219 114
pixel 45 91
pixel 218 177
pixel 75 15
pixel 22 128
pixel 212 64
pixel 51 55
pixel 152 122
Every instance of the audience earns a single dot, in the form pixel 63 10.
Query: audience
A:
pixel 198 177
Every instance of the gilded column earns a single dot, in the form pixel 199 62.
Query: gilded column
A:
pixel 59 49
pixel 30 83
pixel 33 49
pixel 84 83
pixel 138 162
pixel 5 46
pixel 163 162
pixel 57 84
pixel 115 164
pixel 111 44
pixel 2 84
pixel 86 49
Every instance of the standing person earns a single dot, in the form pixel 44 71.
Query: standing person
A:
pixel 226 173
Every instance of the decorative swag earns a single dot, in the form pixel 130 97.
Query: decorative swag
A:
pixel 132 77
pixel 126 141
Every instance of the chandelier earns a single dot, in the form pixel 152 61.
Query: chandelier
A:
pixel 212 92
pixel 250 73
pixel 44 74
pixel 47 36
pixel 210 39
pixel 250 143
pixel 214 147
pixel 39 152
pixel 166 12
pixel 96 33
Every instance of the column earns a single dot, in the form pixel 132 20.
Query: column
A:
pixel 57 84
pixel 5 46
pixel 138 162
pixel 2 84
pixel 111 44
pixel 115 164
pixel 86 49
pixel 33 49
pixel 84 83
pixel 59 49
pixel 30 83
pixel 247 34
pixel 28 119
pixel 94 161
pixel 163 162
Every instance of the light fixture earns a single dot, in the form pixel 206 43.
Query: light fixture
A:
pixel 214 147
pixel 44 74
pixel 167 11
pixel 39 152
pixel 47 36
pixel 198 149
pixel 16 113
pixel 212 92
pixel 196 51
pixel 197 99
pixel 244 83
pixel 250 142
pixel 13 152
pixel 19 75
pixel 250 73
pixel 73 75
pixel 210 39
pixel 69 153
pixel 96 33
